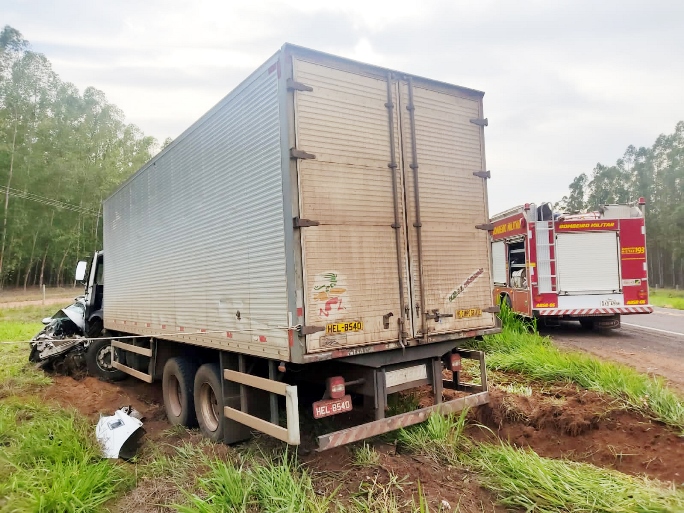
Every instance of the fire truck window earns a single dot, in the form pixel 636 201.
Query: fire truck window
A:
pixel 517 270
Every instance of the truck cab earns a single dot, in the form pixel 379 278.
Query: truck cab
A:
pixel 93 276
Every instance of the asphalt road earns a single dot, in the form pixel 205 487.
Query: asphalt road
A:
pixel 652 343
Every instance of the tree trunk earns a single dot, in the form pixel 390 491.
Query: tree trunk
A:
pixel 42 267
pixel 7 192
pixel 30 264
pixel 61 266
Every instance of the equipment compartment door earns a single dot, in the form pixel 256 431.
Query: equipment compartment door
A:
pixel 449 257
pixel 351 267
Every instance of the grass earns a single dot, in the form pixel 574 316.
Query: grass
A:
pixel 522 479
pixel 50 461
pixel 278 484
pixel 366 456
pixel 17 375
pixel 667 298
pixel 519 348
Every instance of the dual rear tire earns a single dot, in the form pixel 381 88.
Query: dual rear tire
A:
pixel 193 396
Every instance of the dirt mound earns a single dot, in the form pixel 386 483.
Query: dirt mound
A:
pixel 399 475
pixel 583 426
pixel 94 398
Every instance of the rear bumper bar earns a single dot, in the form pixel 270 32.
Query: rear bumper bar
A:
pixel 585 312
pixel 378 427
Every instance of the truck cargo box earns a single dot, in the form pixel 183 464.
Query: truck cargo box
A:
pixel 324 208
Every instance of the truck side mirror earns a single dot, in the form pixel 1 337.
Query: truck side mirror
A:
pixel 81 270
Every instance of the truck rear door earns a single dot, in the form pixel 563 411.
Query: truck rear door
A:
pixel 350 264
pixel 444 149
pixel 588 262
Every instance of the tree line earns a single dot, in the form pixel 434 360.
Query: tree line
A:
pixel 61 154
pixel 656 174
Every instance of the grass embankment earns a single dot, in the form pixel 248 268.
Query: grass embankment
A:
pixel 519 348
pixel 16 327
pixel 520 478
pixel 667 298
pixel 50 460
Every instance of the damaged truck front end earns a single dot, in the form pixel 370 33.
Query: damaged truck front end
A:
pixel 61 344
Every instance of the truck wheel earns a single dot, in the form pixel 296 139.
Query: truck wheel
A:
pixel 209 402
pixel 98 360
pixel 178 391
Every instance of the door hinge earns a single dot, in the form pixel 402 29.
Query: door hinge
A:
pixel 293 85
pixel 480 121
pixel 310 330
pixel 487 227
pixel 482 174
pixel 301 154
pixel 303 223
pixel 492 309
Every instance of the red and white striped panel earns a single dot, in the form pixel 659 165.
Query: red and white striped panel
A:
pixel 595 311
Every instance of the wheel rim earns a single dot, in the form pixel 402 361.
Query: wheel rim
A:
pixel 209 407
pixel 104 359
pixel 174 396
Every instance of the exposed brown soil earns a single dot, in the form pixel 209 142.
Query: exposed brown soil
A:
pixel 94 398
pixel 583 426
pixel 553 421
pixel 335 470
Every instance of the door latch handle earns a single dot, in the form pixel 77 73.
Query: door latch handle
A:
pixel 386 319
pixel 436 316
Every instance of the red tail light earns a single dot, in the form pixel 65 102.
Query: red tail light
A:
pixel 336 387
pixel 642 294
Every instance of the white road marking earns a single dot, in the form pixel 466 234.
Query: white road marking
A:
pixel 653 329
pixel 660 312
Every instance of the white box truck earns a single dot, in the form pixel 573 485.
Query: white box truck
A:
pixel 320 232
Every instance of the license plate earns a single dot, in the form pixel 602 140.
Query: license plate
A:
pixel 469 312
pixel 329 407
pixel 344 327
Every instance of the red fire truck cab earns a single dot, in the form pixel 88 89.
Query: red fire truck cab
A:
pixel 587 266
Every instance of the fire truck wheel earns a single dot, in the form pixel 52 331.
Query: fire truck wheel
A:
pixel 209 402
pixel 178 391
pixel 98 360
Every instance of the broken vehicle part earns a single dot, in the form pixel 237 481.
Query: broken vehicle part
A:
pixel 120 433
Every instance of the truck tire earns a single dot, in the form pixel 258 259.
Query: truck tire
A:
pixel 209 402
pixel 98 358
pixel 178 391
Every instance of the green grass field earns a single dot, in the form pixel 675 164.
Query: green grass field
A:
pixel 667 298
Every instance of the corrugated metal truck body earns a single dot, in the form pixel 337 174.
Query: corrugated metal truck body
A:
pixel 286 222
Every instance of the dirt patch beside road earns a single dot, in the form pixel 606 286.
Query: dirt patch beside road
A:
pixel 583 426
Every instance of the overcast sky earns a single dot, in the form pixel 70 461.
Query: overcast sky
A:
pixel 567 83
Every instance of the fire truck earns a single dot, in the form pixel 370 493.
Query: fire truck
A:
pixel 588 266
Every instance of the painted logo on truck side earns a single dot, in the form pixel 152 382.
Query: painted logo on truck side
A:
pixel 329 295
pixel 463 286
